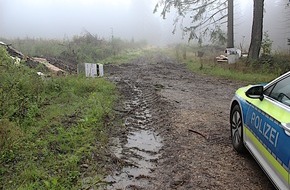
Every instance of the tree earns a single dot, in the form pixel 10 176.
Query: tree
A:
pixel 206 16
pixel 257 30
pixel 230 40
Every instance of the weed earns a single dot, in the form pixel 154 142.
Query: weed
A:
pixel 49 128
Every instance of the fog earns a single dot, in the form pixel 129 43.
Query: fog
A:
pixel 126 19
pixel 276 22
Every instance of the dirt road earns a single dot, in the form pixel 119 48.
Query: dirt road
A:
pixel 176 130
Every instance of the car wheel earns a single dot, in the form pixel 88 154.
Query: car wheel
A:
pixel 237 129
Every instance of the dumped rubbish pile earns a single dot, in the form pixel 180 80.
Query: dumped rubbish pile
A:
pixel 68 66
pixel 12 51
pixel 53 65
pixel 231 55
pixel 50 67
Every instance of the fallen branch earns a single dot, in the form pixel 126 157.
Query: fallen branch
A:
pixel 193 131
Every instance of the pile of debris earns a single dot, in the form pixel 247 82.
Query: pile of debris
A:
pixel 231 55
pixel 53 65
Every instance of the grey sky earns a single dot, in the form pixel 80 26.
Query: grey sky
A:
pixel 125 18
pixel 63 18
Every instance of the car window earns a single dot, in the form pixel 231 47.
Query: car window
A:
pixel 280 91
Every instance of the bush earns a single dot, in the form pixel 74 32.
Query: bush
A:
pixel 79 49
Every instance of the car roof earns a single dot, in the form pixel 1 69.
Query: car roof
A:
pixel 278 79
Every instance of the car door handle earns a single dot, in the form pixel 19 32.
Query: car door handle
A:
pixel 286 127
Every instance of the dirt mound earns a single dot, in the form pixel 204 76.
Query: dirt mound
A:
pixel 68 66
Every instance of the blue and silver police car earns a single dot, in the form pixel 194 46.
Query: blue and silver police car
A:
pixel 260 124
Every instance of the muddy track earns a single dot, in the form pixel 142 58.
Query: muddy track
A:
pixel 139 148
pixel 176 132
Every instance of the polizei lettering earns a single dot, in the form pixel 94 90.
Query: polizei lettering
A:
pixel 267 131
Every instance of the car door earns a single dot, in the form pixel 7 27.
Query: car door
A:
pixel 267 134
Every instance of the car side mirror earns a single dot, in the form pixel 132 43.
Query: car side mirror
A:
pixel 255 92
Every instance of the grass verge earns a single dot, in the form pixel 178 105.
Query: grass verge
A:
pixel 238 71
pixel 241 71
pixel 53 132
pixel 123 57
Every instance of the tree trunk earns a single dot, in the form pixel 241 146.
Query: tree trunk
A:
pixel 257 30
pixel 230 40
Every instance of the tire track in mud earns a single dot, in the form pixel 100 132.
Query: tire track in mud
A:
pixel 190 112
pixel 140 150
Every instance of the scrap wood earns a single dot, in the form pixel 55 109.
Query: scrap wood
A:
pixel 18 56
pixel 48 65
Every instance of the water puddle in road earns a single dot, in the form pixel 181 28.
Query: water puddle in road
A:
pixel 141 153
pixel 145 140
pixel 141 150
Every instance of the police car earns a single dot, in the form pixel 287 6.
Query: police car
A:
pixel 260 123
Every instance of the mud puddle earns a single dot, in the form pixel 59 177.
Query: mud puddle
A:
pixel 142 152
pixel 139 151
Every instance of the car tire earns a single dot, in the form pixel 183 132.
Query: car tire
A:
pixel 236 122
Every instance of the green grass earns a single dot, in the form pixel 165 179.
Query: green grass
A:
pixel 52 131
pixel 240 71
pixel 234 72
pixel 124 57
